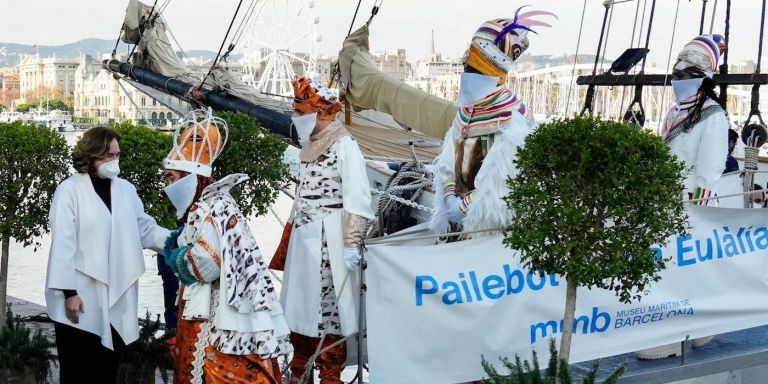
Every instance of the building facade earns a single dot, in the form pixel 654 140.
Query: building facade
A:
pixel 45 78
pixel 100 97
pixel 393 63
pixel 9 88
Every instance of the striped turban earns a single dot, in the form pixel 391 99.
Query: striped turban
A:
pixel 703 52
pixel 498 43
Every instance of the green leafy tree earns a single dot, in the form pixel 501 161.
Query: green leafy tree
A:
pixel 23 107
pixel 258 153
pixel 250 149
pixel 33 162
pixel 590 200
pixel 55 104
pixel 530 373
pixel 49 105
pixel 141 162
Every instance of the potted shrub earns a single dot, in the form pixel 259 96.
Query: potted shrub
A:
pixel 530 373
pixel 591 198
pixel 145 355
pixel 25 357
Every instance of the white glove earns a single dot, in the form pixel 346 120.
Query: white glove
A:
pixel 352 258
pixel 455 215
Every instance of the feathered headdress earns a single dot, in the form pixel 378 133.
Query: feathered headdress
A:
pixel 499 42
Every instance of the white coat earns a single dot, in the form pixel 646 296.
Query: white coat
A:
pixel 100 255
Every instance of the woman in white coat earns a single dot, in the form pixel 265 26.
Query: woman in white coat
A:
pixel 98 229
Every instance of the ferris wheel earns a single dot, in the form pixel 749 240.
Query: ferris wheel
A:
pixel 280 42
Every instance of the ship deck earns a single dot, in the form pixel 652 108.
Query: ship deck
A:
pixel 742 354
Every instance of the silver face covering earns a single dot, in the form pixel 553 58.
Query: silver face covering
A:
pixel 474 87
pixel 304 124
pixel 686 89
pixel 181 193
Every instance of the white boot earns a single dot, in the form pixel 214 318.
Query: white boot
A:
pixel 701 341
pixel 660 352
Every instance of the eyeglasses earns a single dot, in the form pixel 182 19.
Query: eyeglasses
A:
pixel 111 156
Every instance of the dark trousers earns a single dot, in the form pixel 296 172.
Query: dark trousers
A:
pixel 82 358
pixel 170 287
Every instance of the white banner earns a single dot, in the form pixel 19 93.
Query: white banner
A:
pixel 433 310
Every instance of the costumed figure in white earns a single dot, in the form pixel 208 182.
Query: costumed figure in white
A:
pixel 331 212
pixel 696 128
pixel 231 326
pixel 696 131
pixel 492 122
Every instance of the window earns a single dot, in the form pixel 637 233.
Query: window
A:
pixel 143 101
pixel 162 115
pixel 154 115
pixel 154 102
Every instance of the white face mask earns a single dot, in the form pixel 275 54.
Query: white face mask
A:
pixel 305 124
pixel 757 205
pixel 685 89
pixel 474 87
pixel 182 192
pixel 108 170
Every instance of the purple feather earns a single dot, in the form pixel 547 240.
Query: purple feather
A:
pixel 523 21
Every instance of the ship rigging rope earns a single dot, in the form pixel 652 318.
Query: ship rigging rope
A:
pixel 712 22
pixel 703 16
pixel 395 238
pixel 575 60
pixel 650 28
pixel 669 59
pixel 379 143
pixel 631 45
pixel 354 17
pixel 243 24
pixel 224 41
pixel 607 36
pixel 117 41
pixel 120 83
pixel 642 23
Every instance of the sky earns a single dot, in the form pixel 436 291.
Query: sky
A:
pixel 201 24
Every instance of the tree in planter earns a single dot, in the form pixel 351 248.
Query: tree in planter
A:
pixel 33 162
pixel 527 373
pixel 258 153
pixel 23 354
pixel 591 198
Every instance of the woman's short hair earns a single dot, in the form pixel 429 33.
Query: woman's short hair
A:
pixel 93 145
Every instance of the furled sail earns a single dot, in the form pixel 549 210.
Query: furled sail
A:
pixel 145 27
pixel 369 88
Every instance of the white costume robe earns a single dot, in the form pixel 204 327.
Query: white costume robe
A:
pixel 488 210
pixel 99 254
pixel 301 293
pixel 703 149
